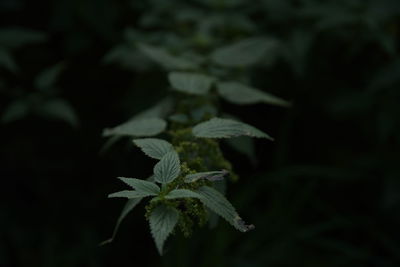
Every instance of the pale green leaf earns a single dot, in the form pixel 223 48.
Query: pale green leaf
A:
pixel 162 222
pixel 226 128
pixel 182 193
pixel 241 94
pixel 190 83
pixel 244 53
pixel 141 186
pixel 211 176
pixel 130 194
pixel 138 127
pixel 216 202
pixel 166 59
pixel 168 168
pixel 153 147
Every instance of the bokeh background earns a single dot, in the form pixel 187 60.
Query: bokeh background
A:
pixel 325 193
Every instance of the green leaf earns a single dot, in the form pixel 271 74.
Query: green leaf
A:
pixel 168 168
pixel 165 59
pixel 241 94
pixel 162 222
pixel 17 37
pixel 48 77
pixel 138 127
pixel 244 145
pixel 190 83
pixel 142 186
pixel 159 110
pixel 59 109
pixel 153 147
pixel 7 61
pixel 244 53
pixel 211 176
pixel 129 206
pixel 182 193
pixel 216 202
pixel 130 194
pixel 226 128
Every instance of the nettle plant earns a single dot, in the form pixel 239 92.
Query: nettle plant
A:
pixel 183 132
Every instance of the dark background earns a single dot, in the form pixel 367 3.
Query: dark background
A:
pixel 325 193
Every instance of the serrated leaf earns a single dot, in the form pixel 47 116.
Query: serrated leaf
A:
pixel 165 59
pixel 182 193
pixel 153 147
pixel 216 202
pixel 211 176
pixel 142 186
pixel 16 37
pixel 47 78
pixel 226 128
pixel 7 61
pixel 190 83
pixel 162 222
pixel 241 94
pixel 138 127
pixel 129 206
pixel 130 194
pixel 168 168
pixel 243 53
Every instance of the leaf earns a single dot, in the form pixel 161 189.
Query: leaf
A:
pixel 182 193
pixel 48 77
pixel 15 111
pixel 211 176
pixel 165 59
pixel 17 37
pixel 216 202
pixel 162 222
pixel 168 168
pixel 7 61
pixel 244 145
pixel 130 194
pixel 138 127
pixel 153 147
pixel 243 53
pixel 159 110
pixel 190 83
pixel 129 206
pixel 142 186
pixel 241 94
pixel 226 128
pixel 59 109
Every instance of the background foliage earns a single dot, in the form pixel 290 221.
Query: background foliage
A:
pixel 325 193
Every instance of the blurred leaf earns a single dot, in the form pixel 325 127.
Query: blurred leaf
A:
pixel 165 59
pixel 7 61
pixel 190 83
pixel 168 168
pixel 138 127
pixel 59 109
pixel 162 222
pixel 47 78
pixel 226 128
pixel 241 94
pixel 17 37
pixel 154 148
pixel 15 111
pixel 244 53
pixel 244 145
